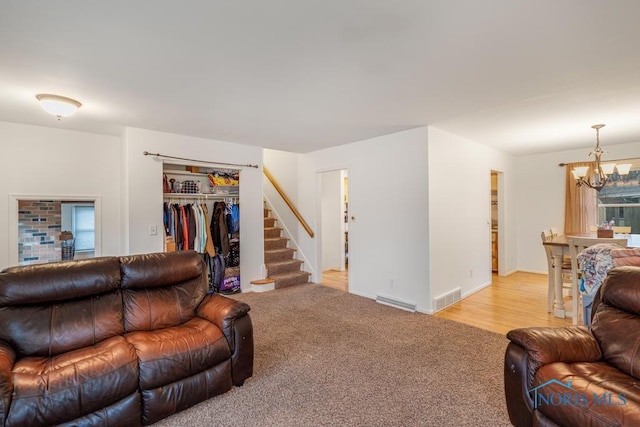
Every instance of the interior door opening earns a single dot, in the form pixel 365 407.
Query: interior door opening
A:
pixel 495 219
pixel 334 236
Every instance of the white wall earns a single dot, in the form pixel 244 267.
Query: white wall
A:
pixel 143 192
pixel 283 166
pixel 460 213
pixel 47 161
pixel 540 197
pixel 388 240
pixel 332 220
pixel 422 203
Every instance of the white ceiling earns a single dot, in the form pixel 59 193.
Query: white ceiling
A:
pixel 522 76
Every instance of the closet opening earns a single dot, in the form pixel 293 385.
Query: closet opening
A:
pixel 201 212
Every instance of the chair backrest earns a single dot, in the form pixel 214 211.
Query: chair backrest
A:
pixel 622 229
pixel 553 231
pixel 546 236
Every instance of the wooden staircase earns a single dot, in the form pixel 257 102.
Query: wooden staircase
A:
pixel 282 267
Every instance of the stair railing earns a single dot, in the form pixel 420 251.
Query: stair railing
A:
pixel 288 202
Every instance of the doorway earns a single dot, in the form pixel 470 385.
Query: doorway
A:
pixel 334 236
pixel 494 223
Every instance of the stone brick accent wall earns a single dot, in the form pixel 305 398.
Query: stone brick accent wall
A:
pixel 39 224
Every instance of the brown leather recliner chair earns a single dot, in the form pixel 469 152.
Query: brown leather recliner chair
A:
pixel 116 340
pixel 576 375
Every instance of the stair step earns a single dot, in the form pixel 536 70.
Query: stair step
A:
pixel 272 232
pixel 275 243
pixel 275 255
pixel 265 212
pixel 263 285
pixel 279 259
pixel 290 279
pixel 281 267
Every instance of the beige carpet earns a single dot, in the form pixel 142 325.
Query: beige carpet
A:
pixel 327 358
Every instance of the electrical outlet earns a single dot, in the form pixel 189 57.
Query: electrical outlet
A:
pixel 153 230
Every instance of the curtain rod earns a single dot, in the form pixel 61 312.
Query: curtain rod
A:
pixel 146 153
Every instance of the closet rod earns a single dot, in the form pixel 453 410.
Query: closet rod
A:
pixel 146 153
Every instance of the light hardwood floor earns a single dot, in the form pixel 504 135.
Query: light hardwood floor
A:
pixel 336 279
pixel 516 301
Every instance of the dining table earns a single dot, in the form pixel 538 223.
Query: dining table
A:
pixel 559 249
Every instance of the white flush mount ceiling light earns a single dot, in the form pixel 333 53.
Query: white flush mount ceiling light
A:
pixel 59 106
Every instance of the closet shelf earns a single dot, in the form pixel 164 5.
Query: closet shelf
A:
pixel 184 173
pixel 198 195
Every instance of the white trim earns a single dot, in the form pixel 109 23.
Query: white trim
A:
pixel 476 289
pixel 13 218
pixel 528 271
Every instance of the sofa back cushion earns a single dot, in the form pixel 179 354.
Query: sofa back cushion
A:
pixel 616 323
pixel 161 289
pixel 48 309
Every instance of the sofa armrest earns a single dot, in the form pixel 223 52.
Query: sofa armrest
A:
pixel 7 360
pixel 531 348
pixel 547 345
pixel 232 317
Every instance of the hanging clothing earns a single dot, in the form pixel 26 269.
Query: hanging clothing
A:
pixel 209 248
pixel 191 228
pixel 219 229
pixel 185 228
pixel 188 226
pixel 233 218
pixel 178 235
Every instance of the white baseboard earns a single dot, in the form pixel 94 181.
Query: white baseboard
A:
pixel 530 271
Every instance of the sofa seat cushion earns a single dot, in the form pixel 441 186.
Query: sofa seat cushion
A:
pixel 586 394
pixel 170 354
pixel 54 390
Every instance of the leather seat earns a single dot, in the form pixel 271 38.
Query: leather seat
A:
pixel 170 354
pixel 46 390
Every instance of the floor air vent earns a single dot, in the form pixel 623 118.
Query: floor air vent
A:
pixel 447 299
pixel 393 302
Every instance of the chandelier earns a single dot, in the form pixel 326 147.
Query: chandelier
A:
pixel 596 176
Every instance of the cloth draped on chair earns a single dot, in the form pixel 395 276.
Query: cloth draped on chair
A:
pixel 595 262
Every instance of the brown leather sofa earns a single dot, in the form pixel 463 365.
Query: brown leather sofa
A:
pixel 116 340
pixel 576 375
